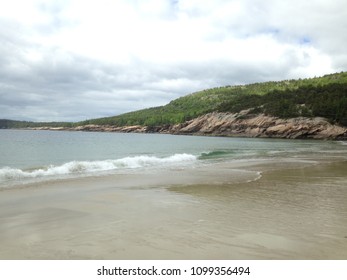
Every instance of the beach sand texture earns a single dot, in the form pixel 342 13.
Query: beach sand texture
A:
pixel 294 210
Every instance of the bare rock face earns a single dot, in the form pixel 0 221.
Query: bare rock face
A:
pixel 242 124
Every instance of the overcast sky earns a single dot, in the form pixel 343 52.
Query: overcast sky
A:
pixel 72 60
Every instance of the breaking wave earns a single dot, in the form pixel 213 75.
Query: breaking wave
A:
pixel 83 167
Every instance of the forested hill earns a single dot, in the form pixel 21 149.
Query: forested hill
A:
pixel 317 97
pixel 5 123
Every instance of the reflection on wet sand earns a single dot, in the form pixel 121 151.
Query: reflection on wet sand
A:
pixel 294 210
pixel 295 213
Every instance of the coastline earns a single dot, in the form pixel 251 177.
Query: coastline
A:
pixel 232 125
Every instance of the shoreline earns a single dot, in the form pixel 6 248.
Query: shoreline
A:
pixel 183 214
pixel 231 125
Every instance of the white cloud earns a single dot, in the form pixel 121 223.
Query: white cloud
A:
pixel 105 57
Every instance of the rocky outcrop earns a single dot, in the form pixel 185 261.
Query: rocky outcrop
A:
pixel 109 128
pixel 240 124
pixel 98 128
pixel 244 125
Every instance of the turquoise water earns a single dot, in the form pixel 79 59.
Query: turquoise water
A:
pixel 27 155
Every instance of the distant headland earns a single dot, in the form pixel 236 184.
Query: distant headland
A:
pixel 313 108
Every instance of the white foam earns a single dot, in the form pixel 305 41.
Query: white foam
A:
pixel 80 167
pixel 259 176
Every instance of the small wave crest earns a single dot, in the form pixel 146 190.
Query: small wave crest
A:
pixel 215 154
pixel 81 167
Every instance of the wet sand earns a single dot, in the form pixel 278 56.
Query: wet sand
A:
pixel 294 210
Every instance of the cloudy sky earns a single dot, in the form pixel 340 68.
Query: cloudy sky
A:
pixel 72 60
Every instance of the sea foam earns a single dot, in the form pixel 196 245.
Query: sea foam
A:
pixel 84 167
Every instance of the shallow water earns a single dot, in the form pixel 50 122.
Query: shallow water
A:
pixel 286 214
pixel 273 199
pixel 34 156
pixel 291 214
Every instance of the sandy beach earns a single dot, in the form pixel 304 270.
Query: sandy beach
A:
pixel 241 210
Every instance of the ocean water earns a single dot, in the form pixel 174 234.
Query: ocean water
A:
pixel 29 156
pixel 86 195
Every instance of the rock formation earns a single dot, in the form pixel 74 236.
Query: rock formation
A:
pixel 241 124
pixel 244 125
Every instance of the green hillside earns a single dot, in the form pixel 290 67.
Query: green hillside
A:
pixel 323 96
pixel 328 101
pixel 4 123
pixel 270 97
